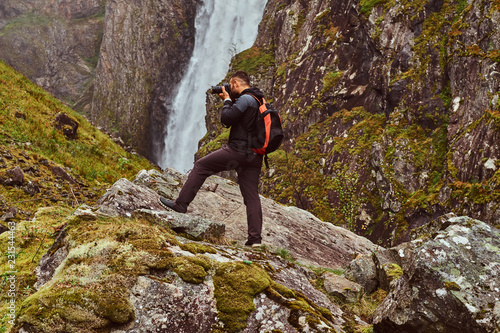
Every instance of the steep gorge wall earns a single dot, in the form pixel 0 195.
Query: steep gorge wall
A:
pixel 115 61
pixel 54 43
pixel 390 108
pixel 145 47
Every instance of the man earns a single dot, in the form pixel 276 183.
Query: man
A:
pixel 240 116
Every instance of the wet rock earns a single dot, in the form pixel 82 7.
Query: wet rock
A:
pixel 450 281
pixel 66 124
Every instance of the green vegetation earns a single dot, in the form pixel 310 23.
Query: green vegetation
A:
pixel 236 285
pixel 253 60
pixel 329 81
pixel 27 132
pixel 368 5
pixel 90 287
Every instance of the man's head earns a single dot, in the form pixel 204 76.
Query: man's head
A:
pixel 239 82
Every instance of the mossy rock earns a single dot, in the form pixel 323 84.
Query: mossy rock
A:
pixel 191 269
pixel 236 285
pixel 75 309
pixel 196 248
pixel 394 271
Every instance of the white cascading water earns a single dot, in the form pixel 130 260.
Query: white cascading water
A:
pixel 223 27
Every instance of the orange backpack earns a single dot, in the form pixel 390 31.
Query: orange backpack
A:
pixel 267 135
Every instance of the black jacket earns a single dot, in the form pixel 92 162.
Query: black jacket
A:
pixel 241 121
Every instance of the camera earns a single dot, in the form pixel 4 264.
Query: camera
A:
pixel 218 89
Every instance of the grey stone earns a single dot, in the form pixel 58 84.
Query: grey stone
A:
pixel 347 291
pixel 309 240
pixel 451 281
pixel 199 228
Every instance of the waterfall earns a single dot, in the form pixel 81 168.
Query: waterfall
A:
pixel 223 27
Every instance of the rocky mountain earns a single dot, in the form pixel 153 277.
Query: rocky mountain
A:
pixel 127 265
pixel 390 110
pixel 89 260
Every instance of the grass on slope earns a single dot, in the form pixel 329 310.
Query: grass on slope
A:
pixel 29 140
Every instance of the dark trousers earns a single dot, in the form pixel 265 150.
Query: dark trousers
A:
pixel 248 169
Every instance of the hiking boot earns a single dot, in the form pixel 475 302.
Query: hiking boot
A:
pixel 170 204
pixel 253 244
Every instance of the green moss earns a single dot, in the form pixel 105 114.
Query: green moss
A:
pixel 253 60
pixel 236 285
pixel 31 240
pixel 368 5
pixel 394 271
pixel 282 290
pixel 329 81
pixel 300 22
pixel 90 287
pixel 191 269
pixel 452 286
pixel 215 144
pixel 196 248
pixel 76 309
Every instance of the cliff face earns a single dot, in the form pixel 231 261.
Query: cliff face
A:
pixel 390 109
pixel 145 47
pixel 116 62
pixel 54 43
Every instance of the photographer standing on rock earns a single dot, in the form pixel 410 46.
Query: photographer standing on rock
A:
pixel 239 112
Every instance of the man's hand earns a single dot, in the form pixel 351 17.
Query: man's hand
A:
pixel 224 94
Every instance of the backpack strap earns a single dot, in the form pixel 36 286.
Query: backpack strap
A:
pixel 249 135
pixel 249 141
pixel 263 100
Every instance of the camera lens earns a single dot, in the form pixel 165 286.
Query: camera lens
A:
pixel 218 89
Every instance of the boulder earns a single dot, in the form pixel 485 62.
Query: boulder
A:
pixel 13 177
pixel 450 280
pixel 126 198
pixel 309 240
pixel 363 271
pixel 129 275
pixel 345 290
pixel 166 184
pixel 196 227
